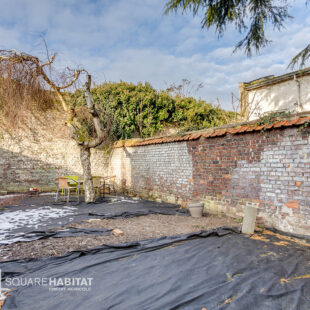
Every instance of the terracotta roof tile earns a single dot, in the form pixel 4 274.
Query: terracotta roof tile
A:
pixel 250 128
pixel 279 124
pixel 196 136
pixel 243 128
pixel 240 129
pixel 220 132
pixel 258 127
pixel 215 132
pixel 207 134
pixel 292 122
pixel 302 120
pixel 307 118
pixel 233 130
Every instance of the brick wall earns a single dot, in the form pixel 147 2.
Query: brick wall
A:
pixel 158 171
pixel 269 170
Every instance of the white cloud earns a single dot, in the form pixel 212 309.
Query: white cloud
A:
pixel 133 41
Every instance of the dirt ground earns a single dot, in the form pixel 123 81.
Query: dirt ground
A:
pixel 136 228
pixel 10 199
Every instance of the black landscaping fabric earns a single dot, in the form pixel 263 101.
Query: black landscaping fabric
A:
pixel 62 233
pixel 115 207
pixel 216 269
pixel 134 213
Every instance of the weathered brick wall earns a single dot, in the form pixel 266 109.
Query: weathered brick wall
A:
pixel 269 170
pixel 161 171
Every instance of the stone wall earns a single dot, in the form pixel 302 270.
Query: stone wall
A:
pixel 268 170
pixel 36 155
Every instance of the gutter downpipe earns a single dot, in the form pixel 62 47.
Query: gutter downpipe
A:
pixel 298 93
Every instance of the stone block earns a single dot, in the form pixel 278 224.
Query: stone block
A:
pixel 249 219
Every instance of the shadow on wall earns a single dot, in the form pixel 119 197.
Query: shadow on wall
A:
pixel 122 165
pixel 155 171
pixel 126 171
pixel 129 176
pixel 19 172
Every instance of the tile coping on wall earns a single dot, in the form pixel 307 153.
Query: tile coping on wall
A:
pixel 295 120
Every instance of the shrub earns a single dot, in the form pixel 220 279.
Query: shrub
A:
pixel 138 110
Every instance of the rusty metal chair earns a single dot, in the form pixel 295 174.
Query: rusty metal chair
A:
pixel 98 185
pixel 109 184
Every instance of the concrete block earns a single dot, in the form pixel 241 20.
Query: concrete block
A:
pixel 249 220
pixel 117 232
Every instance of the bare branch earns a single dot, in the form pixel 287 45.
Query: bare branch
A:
pixel 96 120
pixel 25 59
pixel 48 63
pixel 75 77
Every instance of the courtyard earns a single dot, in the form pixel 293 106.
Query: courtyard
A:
pixel 161 259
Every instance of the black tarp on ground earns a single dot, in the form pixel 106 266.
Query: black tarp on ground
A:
pixel 61 233
pixel 34 214
pixel 218 269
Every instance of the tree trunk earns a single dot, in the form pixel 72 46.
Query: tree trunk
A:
pixel 88 182
pixel 87 145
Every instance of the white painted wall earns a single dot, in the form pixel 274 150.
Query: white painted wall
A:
pixel 280 97
pixel 120 165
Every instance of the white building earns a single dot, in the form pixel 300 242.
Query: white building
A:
pixel 289 92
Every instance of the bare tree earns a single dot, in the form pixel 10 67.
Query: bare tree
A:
pixel 85 146
pixel 35 73
pixel 185 89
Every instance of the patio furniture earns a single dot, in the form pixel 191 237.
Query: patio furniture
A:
pixel 109 184
pixel 104 185
pixel 98 185
pixel 74 180
pixel 65 186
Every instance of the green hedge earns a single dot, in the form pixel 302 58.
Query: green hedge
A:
pixel 138 110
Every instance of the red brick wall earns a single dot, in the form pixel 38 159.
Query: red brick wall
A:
pixel 269 170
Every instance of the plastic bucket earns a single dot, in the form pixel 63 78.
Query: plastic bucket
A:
pixel 196 209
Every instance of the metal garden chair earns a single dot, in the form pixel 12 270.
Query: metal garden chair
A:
pixel 65 186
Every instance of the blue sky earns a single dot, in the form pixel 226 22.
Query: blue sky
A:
pixel 133 41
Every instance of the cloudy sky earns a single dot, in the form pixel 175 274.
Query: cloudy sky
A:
pixel 131 40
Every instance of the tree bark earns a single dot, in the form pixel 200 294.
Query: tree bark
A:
pixel 88 182
pixel 87 145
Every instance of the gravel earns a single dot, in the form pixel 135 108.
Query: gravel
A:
pixel 137 228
